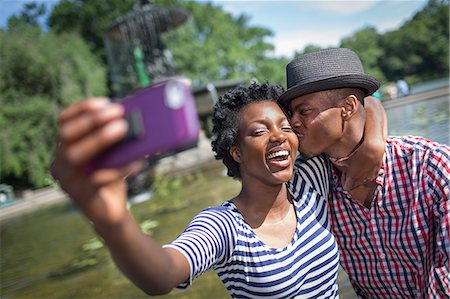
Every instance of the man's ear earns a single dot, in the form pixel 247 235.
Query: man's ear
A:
pixel 235 153
pixel 349 107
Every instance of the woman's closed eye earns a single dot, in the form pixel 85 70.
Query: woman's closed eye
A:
pixel 258 132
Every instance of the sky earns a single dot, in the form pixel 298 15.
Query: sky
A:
pixel 296 24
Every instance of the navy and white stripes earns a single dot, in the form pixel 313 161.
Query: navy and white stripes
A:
pixel 219 238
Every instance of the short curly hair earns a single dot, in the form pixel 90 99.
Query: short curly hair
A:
pixel 226 119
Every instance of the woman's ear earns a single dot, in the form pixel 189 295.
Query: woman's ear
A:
pixel 349 107
pixel 235 153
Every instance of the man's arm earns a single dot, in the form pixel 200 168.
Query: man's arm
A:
pixel 365 163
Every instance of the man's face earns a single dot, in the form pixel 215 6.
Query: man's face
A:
pixel 317 122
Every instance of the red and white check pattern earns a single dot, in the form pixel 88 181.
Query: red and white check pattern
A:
pixel 400 247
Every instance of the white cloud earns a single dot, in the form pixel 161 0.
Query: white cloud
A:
pixel 286 43
pixel 348 7
pixel 320 22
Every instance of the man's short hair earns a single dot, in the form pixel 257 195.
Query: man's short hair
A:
pixel 342 93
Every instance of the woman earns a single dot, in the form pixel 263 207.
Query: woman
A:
pixel 261 243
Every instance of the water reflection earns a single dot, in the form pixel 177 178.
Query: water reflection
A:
pixel 53 253
pixel 428 118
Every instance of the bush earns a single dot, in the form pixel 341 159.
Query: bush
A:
pixel 41 72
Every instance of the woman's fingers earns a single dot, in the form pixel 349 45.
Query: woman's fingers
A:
pixel 105 176
pixel 85 149
pixel 74 128
pixel 89 127
pixel 90 104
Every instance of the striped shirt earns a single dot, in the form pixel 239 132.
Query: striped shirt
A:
pixel 400 247
pixel 219 238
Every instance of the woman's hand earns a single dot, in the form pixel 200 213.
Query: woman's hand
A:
pixel 85 130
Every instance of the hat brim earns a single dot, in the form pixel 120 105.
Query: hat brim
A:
pixel 368 83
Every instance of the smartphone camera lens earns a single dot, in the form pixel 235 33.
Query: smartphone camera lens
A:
pixel 174 95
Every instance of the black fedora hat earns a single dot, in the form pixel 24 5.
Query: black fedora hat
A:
pixel 324 70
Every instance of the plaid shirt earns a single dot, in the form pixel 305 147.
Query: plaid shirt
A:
pixel 400 247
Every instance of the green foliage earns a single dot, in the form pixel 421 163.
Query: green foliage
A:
pixel 169 187
pixel 92 244
pixel 308 49
pixel 214 45
pixel 40 73
pixel 88 18
pixel 29 130
pixel 30 15
pixel 366 42
pixel 148 226
pixel 272 69
pixel 419 50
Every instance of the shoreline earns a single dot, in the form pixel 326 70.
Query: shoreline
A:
pixel 189 160
pixel 413 98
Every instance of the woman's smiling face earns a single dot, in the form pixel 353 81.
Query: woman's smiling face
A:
pixel 266 146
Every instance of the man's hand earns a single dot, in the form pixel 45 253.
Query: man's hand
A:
pixel 364 164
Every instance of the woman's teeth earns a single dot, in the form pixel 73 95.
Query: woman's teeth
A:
pixel 278 154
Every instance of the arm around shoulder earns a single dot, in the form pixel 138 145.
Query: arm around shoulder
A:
pixel 366 161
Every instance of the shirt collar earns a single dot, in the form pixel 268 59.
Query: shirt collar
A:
pixel 336 176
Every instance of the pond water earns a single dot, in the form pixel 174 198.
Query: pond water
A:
pixel 428 118
pixel 53 253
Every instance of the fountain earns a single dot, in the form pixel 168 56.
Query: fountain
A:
pixel 137 55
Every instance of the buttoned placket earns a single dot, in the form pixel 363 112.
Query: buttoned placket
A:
pixel 370 214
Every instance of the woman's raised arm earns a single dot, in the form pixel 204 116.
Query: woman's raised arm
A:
pixel 85 130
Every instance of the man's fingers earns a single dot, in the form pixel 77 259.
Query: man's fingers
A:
pixel 84 150
pixel 76 127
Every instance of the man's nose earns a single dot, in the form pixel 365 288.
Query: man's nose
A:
pixel 295 122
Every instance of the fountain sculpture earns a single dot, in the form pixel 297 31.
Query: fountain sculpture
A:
pixel 136 53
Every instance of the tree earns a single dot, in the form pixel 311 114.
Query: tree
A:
pixel 30 15
pixel 213 45
pixel 89 18
pixel 419 49
pixel 216 46
pixel 40 73
pixel 308 49
pixel 366 42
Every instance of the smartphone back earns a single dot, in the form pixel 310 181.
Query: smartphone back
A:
pixel 162 119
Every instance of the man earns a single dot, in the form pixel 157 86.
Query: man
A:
pixel 393 230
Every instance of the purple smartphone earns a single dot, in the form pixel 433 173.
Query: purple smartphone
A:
pixel 162 118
